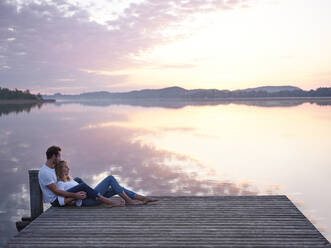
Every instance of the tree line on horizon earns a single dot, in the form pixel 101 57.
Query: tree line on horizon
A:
pixel 320 92
pixel 7 94
pixel 180 93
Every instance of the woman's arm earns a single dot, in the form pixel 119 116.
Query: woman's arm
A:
pixel 59 192
pixel 63 200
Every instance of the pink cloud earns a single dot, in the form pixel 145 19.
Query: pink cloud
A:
pixel 51 40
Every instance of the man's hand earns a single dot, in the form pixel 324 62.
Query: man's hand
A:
pixel 80 195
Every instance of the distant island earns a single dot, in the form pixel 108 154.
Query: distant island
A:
pixel 8 96
pixel 179 93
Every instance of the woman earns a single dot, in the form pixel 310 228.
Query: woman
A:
pixel 100 194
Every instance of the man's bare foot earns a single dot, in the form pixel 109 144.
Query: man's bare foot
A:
pixel 133 202
pixel 145 199
pixel 115 203
pixel 149 199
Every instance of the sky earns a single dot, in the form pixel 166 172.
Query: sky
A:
pixel 73 46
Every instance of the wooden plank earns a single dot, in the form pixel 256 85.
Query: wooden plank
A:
pixel 212 221
pixel 36 200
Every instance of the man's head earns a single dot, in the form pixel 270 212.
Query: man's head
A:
pixel 53 154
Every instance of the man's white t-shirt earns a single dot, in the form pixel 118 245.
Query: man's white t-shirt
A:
pixel 46 177
pixel 65 186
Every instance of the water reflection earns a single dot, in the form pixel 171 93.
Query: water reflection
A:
pixel 157 151
pixel 93 153
pixel 177 103
pixel 6 109
pixel 145 168
pixel 13 190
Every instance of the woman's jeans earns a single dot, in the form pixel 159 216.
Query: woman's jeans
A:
pixel 91 193
pixel 108 187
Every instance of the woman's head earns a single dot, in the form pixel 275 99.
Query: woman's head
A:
pixel 62 171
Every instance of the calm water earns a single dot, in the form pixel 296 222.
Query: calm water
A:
pixel 174 149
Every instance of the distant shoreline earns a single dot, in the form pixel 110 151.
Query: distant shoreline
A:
pixel 28 101
pixel 197 99
pixel 178 93
pixel 274 98
pixel 25 101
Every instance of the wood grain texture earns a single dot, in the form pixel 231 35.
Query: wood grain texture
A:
pixel 211 221
pixel 36 200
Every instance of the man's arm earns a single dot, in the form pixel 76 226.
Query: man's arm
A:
pixel 79 195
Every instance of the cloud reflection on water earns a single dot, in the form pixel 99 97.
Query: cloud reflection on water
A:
pixel 95 150
pixel 94 153
pixel 143 167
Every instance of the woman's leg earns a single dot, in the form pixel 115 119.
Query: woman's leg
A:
pixel 93 195
pixel 112 192
pixel 78 180
pixel 110 184
pixel 129 193
pixel 88 201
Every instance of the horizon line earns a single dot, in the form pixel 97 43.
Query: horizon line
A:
pixel 175 86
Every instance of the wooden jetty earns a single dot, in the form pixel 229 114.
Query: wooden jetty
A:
pixel 189 221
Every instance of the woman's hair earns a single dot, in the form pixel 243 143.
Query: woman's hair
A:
pixel 59 166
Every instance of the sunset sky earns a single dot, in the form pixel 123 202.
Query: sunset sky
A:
pixel 120 45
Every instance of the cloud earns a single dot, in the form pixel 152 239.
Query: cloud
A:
pixel 43 41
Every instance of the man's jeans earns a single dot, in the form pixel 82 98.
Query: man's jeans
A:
pixel 108 187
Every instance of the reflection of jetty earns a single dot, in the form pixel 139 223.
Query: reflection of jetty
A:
pixel 212 221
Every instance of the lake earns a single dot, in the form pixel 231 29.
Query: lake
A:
pixel 177 148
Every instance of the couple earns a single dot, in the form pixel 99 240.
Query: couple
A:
pixel 59 189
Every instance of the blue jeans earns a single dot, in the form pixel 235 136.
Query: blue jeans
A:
pixel 108 187
pixel 91 193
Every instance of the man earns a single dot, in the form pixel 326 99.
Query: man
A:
pixel 47 179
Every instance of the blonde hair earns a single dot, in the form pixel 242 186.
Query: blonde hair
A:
pixel 59 166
